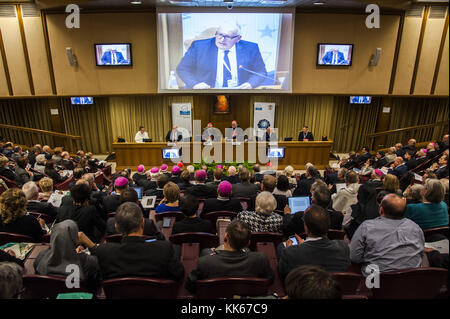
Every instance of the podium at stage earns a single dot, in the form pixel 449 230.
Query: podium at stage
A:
pixel 297 154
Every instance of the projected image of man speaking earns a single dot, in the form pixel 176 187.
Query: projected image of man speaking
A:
pixel 224 61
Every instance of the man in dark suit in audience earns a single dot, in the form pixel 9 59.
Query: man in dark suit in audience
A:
pixel 304 185
pixel 112 202
pixel 31 192
pixel 411 146
pixel 365 155
pixel 421 157
pixel 399 150
pixel 321 196
pixel 224 201
pixel 258 175
pixel 380 160
pixel 85 215
pixel 191 223
pixel 133 256
pixel 200 189
pixel 431 151
pixel 441 168
pixel 244 189
pixel 317 249
pixel 233 261
pixel 218 176
pixel 443 145
pixel 411 161
pixel 305 135
pixel 398 168
pixel 268 184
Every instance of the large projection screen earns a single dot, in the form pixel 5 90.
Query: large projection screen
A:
pixel 219 50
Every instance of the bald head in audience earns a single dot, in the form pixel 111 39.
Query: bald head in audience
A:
pixel 393 207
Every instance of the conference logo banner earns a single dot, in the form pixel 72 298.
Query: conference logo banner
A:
pixel 182 117
pixel 263 117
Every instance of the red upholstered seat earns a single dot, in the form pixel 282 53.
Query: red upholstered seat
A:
pixel 205 240
pixel 349 282
pixel 47 287
pixel 140 288
pixel 15 238
pixel 417 283
pixel 213 216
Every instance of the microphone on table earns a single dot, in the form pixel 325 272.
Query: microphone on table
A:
pixel 259 74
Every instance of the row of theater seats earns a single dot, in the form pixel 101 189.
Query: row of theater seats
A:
pixel 414 283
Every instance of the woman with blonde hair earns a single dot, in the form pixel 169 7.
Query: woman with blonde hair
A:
pixel 169 203
pixel 14 218
pixel 391 185
pixel 46 185
pixel 289 173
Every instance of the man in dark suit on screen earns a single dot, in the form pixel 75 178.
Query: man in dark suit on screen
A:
pixel 305 135
pixel 113 57
pixel 224 61
pixel 334 57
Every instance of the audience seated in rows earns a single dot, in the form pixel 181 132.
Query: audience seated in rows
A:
pixel 283 187
pixel 235 260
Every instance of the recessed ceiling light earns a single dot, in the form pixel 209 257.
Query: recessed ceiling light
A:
pixel 136 2
pixel 319 3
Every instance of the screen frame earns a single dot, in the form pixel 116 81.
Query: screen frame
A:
pixel 270 147
pixel 351 96
pixel 282 10
pixel 141 192
pixel 73 97
pixel 113 65
pixel 170 148
pixel 332 65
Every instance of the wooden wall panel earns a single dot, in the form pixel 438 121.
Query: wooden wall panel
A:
pixel 3 84
pixel 407 55
pixel 15 57
pixel 356 79
pixel 442 84
pixel 87 78
pixel 38 55
pixel 428 56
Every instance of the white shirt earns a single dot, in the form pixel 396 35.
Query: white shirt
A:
pixel 139 137
pixel 220 66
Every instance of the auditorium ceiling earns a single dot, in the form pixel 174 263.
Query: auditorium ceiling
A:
pixel 316 5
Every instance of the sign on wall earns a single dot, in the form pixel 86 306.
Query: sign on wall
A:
pixel 182 117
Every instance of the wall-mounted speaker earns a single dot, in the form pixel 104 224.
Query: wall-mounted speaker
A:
pixel 375 57
pixel 71 57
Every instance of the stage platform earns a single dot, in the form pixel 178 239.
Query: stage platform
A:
pixel 297 154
